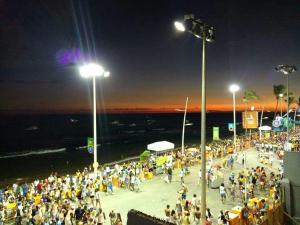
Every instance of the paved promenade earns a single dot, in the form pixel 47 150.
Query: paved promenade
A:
pixel 155 194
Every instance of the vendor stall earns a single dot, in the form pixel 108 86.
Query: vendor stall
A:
pixel 265 131
pixel 160 147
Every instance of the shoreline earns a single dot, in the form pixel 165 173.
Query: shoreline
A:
pixel 69 170
pixel 72 168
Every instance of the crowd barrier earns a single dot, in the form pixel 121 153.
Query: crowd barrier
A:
pixel 275 216
pixel 290 220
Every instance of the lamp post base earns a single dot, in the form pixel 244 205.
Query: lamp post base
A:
pixel 95 166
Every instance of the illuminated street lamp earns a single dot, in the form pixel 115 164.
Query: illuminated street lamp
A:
pixel 179 26
pixel 205 32
pixel 234 88
pixel 286 70
pixel 94 70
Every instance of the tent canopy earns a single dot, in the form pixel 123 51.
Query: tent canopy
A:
pixel 265 128
pixel 160 146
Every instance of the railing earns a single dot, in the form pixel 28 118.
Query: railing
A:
pixel 288 220
pixel 277 216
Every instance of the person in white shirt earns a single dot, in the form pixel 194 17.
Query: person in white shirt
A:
pixel 222 193
pixel 271 158
pixel 194 202
pixel 199 176
pixel 97 199
pixel 101 217
pixel 132 180
pixel 137 183
pixel 181 174
pixel 107 170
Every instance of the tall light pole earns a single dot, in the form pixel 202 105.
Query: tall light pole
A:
pixel 286 70
pixel 93 70
pixel 280 96
pixel 206 32
pixel 295 114
pixel 260 123
pixel 184 124
pixel 234 88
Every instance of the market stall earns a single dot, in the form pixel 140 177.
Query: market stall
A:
pixel 265 131
pixel 160 147
pixel 157 149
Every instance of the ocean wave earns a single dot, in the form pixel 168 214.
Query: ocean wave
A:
pixel 133 131
pixel 41 152
pixel 158 129
pixel 85 147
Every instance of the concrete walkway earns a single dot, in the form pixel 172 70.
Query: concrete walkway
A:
pixel 155 194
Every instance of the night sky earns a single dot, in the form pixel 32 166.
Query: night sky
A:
pixel 153 67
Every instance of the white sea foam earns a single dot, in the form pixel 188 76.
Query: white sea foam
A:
pixel 40 152
pixel 85 147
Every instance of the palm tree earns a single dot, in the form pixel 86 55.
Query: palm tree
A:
pixel 296 110
pixel 292 99
pixel 248 96
pixel 277 90
pixel 298 103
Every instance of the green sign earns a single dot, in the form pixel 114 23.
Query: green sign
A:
pixel 216 133
pixel 90 144
pixel 287 122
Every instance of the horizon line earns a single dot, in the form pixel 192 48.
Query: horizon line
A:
pixel 118 111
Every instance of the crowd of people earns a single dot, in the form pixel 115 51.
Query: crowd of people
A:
pixel 255 182
pixel 186 211
pixel 56 200
pixel 76 199
pixel 249 183
pixel 69 199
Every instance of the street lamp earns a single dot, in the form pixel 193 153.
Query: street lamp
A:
pixel 260 123
pixel 205 32
pixel 184 124
pixel 234 88
pixel 286 70
pixel 281 97
pixel 179 26
pixel 93 70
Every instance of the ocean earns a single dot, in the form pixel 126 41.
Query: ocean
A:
pixel 36 145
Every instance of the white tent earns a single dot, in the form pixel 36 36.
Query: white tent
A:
pixel 160 146
pixel 265 128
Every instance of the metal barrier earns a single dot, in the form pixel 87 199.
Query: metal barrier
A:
pixel 288 220
pixel 277 216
